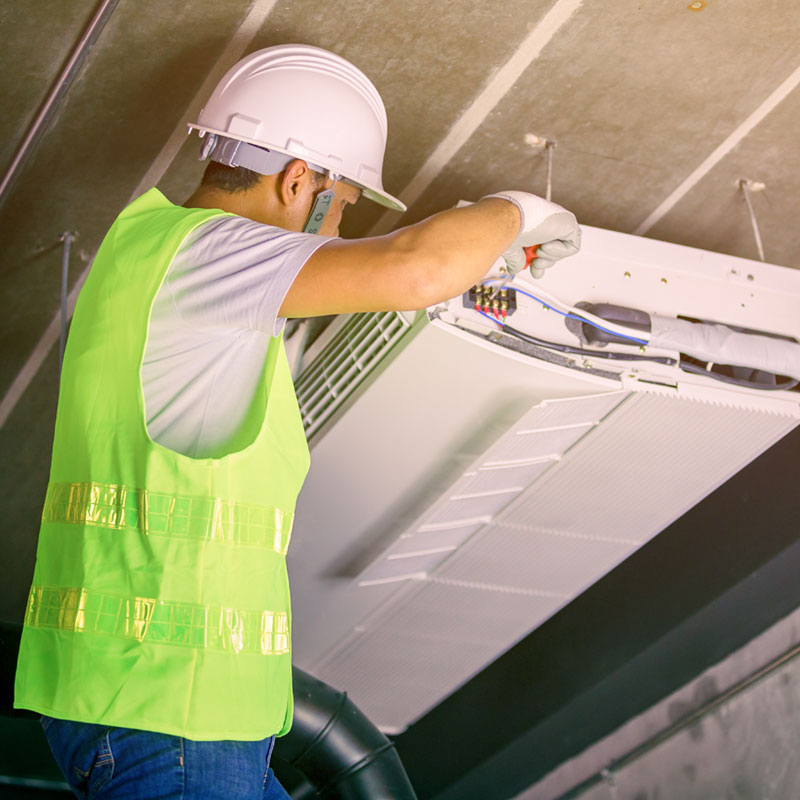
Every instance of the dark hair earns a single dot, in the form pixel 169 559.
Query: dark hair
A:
pixel 239 179
pixel 230 179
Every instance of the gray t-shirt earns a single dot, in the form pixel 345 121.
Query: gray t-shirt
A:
pixel 210 328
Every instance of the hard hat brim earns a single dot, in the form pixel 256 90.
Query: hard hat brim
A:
pixel 375 193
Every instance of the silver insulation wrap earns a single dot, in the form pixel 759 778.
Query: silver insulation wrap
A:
pixel 723 345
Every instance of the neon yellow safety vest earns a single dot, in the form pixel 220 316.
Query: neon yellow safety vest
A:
pixel 160 598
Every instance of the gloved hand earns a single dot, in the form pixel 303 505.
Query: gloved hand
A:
pixel 543 223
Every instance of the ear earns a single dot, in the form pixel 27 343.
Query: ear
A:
pixel 295 182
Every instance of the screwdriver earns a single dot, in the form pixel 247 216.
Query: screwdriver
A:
pixel 530 255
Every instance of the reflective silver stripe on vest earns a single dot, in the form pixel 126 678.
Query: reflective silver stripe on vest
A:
pixel 107 505
pixel 158 622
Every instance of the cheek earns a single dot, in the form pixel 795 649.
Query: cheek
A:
pixel 331 225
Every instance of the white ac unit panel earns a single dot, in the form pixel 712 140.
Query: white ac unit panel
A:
pixel 465 486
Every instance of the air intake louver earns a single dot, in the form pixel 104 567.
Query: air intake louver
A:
pixel 358 347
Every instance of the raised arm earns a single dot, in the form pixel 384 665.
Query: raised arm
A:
pixel 412 268
pixel 434 260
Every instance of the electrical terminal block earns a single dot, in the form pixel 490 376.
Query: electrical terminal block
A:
pixel 484 297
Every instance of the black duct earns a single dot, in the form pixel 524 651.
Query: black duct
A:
pixel 338 752
pixel 337 749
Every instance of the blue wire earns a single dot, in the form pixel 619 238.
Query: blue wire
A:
pixel 575 317
pixel 489 316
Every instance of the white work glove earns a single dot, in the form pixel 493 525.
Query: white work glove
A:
pixel 546 224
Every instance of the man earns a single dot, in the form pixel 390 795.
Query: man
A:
pixel 157 635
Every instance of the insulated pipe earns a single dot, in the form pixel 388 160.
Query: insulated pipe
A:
pixel 339 751
pixel 707 341
pixel 56 95
pixel 720 344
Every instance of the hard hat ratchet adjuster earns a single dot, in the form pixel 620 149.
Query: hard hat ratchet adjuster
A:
pixel 237 153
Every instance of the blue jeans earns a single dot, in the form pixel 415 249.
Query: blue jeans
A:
pixel 108 763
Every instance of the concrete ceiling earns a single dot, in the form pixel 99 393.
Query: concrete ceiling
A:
pixel 657 110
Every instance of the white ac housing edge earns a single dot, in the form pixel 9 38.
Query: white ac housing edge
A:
pixel 465 485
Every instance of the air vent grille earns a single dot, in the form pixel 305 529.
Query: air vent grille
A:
pixel 653 456
pixel 353 352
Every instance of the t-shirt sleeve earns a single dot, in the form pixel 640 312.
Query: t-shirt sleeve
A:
pixel 234 273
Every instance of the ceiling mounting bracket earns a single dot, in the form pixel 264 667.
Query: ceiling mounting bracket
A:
pixel 748 186
pixel 539 143
pixel 549 147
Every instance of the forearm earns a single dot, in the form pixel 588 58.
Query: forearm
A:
pixel 414 267
pixel 451 251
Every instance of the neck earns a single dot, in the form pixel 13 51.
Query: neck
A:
pixel 256 204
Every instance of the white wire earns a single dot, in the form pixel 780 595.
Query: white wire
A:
pixel 611 326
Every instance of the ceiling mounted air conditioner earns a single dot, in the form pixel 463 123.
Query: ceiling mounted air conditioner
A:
pixel 469 478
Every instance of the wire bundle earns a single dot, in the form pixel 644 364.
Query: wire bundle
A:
pixel 622 332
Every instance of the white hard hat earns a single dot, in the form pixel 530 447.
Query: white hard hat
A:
pixel 307 103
